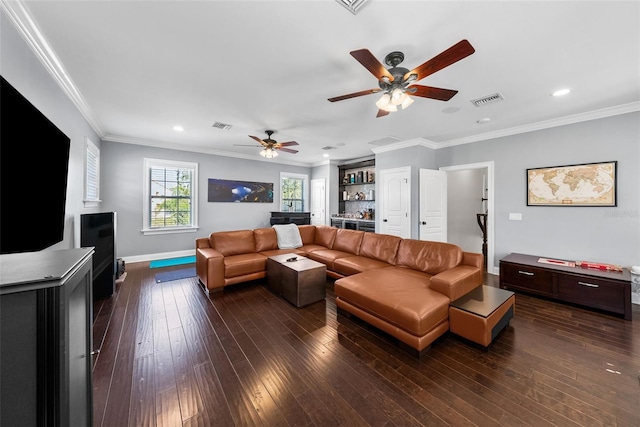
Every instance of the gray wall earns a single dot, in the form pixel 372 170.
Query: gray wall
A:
pixel 20 67
pixel 602 234
pixel 122 192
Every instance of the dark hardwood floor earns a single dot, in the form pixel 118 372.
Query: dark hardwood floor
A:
pixel 170 355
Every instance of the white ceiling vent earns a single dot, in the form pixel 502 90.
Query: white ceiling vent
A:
pixel 489 99
pixel 328 147
pixel 222 126
pixel 353 6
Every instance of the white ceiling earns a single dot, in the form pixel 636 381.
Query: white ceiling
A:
pixel 141 67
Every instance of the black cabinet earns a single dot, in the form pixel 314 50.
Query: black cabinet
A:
pixel 299 218
pixel 99 230
pixel 46 313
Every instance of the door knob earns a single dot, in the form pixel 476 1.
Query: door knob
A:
pixel 424 223
pixel 384 220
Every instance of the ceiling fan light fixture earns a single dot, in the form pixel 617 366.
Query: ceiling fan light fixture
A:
pixel 269 153
pixel 383 102
pixel 390 108
pixel 407 101
pixel 398 95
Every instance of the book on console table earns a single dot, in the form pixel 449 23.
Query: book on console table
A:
pixel 582 264
pixel 599 266
pixel 557 262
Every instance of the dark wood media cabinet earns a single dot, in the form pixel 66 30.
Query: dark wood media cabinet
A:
pixel 609 291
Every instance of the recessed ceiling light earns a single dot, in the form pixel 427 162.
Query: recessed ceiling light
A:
pixel 325 155
pixel 178 128
pixel 561 92
pixel 483 120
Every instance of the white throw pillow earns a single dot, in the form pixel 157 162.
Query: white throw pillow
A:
pixel 288 236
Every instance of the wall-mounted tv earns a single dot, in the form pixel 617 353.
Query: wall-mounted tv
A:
pixel 34 161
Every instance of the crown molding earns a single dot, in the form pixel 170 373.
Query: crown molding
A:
pixel 531 127
pixel 421 142
pixel 198 149
pixel 546 124
pixel 24 23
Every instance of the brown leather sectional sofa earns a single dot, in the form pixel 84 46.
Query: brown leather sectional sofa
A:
pixel 401 286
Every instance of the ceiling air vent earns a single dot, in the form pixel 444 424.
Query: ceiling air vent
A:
pixel 222 126
pixel 489 99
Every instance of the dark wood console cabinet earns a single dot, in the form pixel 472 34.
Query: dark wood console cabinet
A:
pixel 299 218
pixel 609 291
pixel 46 317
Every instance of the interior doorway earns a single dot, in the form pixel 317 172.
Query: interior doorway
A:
pixel 487 205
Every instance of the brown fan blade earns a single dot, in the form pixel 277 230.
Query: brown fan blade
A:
pixel 288 150
pixel 432 92
pixel 382 113
pixel 355 94
pixel 370 62
pixel 286 144
pixel 455 53
pixel 259 140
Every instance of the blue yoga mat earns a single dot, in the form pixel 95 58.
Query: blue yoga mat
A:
pixel 172 261
pixel 168 276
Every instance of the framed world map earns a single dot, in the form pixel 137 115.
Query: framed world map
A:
pixel 589 184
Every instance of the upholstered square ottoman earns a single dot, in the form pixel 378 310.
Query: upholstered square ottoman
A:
pixel 482 314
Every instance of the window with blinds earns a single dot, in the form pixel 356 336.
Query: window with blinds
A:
pixel 294 192
pixel 91 174
pixel 170 196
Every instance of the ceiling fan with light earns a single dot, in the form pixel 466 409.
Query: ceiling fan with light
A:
pixel 271 147
pixel 397 83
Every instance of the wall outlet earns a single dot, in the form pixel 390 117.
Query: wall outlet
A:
pixel 515 216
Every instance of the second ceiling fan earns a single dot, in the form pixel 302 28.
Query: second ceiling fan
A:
pixel 397 83
pixel 270 146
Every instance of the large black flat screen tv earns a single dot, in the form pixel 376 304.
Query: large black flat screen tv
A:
pixel 34 161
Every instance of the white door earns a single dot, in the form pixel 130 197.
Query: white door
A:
pixel 433 205
pixel 318 201
pixel 395 202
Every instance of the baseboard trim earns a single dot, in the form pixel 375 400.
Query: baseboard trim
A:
pixel 157 256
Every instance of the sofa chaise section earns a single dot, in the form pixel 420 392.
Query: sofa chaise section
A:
pixel 410 300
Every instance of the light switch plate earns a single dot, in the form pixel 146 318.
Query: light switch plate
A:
pixel 515 216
